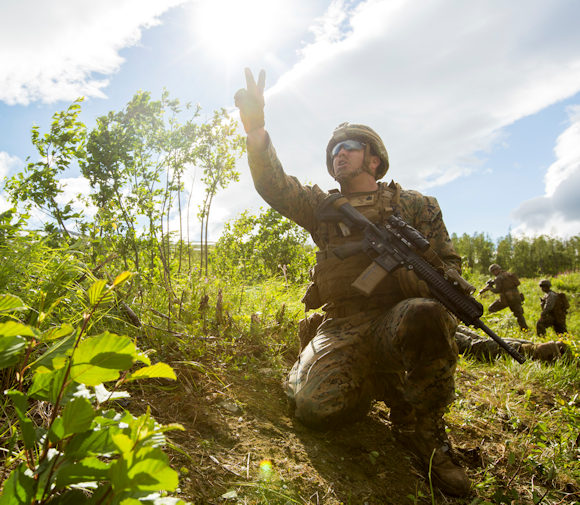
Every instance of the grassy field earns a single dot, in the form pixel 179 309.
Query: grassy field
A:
pixel 515 426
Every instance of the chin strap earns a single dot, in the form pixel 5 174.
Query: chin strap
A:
pixel 367 161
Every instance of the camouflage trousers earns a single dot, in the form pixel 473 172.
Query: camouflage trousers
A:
pixel 484 348
pixel 549 320
pixel 514 302
pixel 405 356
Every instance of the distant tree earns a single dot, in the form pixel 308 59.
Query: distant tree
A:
pixel 219 147
pixel 257 247
pixel 476 251
pixel 130 154
pixel 61 147
pixel 505 251
pixel 464 247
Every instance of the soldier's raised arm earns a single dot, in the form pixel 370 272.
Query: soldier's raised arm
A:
pixel 250 102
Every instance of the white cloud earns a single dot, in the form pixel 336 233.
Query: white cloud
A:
pixel 8 165
pixel 558 211
pixel 437 80
pixel 63 49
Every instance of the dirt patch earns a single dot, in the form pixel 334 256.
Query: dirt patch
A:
pixel 241 445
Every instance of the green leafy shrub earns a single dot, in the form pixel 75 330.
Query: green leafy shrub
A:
pixel 255 248
pixel 65 441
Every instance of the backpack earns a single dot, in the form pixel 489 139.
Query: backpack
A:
pixel 562 302
pixel 513 278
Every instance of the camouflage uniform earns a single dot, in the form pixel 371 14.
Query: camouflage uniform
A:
pixel 506 284
pixel 471 343
pixel 552 315
pixel 386 346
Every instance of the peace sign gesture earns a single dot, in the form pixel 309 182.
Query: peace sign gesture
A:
pixel 250 101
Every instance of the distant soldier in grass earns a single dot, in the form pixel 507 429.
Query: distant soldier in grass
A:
pixel 554 310
pixel 480 347
pixel 506 285
pixel 395 345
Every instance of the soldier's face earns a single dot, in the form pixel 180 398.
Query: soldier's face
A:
pixel 348 163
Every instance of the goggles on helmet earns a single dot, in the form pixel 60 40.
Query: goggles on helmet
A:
pixel 349 145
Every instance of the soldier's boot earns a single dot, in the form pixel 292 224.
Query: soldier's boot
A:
pixel 428 441
pixel 522 322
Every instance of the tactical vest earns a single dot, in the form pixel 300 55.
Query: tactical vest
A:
pixel 332 277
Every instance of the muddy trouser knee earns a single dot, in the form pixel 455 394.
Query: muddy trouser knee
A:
pixel 496 306
pixel 330 383
pixel 416 339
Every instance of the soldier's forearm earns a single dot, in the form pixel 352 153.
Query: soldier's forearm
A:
pixel 258 139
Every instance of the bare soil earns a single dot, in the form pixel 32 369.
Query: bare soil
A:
pixel 239 423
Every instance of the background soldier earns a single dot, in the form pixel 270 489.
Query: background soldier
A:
pixel 554 309
pixel 506 284
pixel 473 344
pixel 395 345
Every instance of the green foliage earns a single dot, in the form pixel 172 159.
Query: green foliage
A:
pixel 220 147
pixel 128 154
pixel 527 257
pixel 60 148
pixel 257 247
pixel 84 451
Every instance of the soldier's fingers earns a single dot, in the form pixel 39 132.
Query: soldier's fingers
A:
pixel 250 82
pixel 262 81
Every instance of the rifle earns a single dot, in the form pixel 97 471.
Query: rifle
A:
pixel 490 283
pixel 399 245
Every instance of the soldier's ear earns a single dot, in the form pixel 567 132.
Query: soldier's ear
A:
pixel 374 163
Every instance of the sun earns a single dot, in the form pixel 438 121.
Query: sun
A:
pixel 234 29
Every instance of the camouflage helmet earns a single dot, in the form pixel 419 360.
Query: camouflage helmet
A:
pixel 493 267
pixel 362 133
pixel 545 282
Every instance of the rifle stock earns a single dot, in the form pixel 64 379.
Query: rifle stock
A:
pixel 399 245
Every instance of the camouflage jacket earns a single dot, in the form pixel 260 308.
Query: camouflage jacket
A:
pixel 333 277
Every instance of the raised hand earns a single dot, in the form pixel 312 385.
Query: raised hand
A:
pixel 250 101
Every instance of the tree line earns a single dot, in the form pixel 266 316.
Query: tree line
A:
pixel 525 256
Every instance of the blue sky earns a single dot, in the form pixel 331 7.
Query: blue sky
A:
pixel 477 103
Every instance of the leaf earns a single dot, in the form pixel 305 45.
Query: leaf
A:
pixel 121 278
pixel 18 488
pixel 77 416
pixel 10 350
pixel 57 332
pixel 57 350
pixel 95 291
pixel 12 328
pixel 56 432
pixel 131 501
pixel 100 359
pixel 47 383
pixel 146 470
pixel 20 401
pixel 90 469
pixel 158 370
pixel 11 303
pixel 123 442
pixel 97 441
